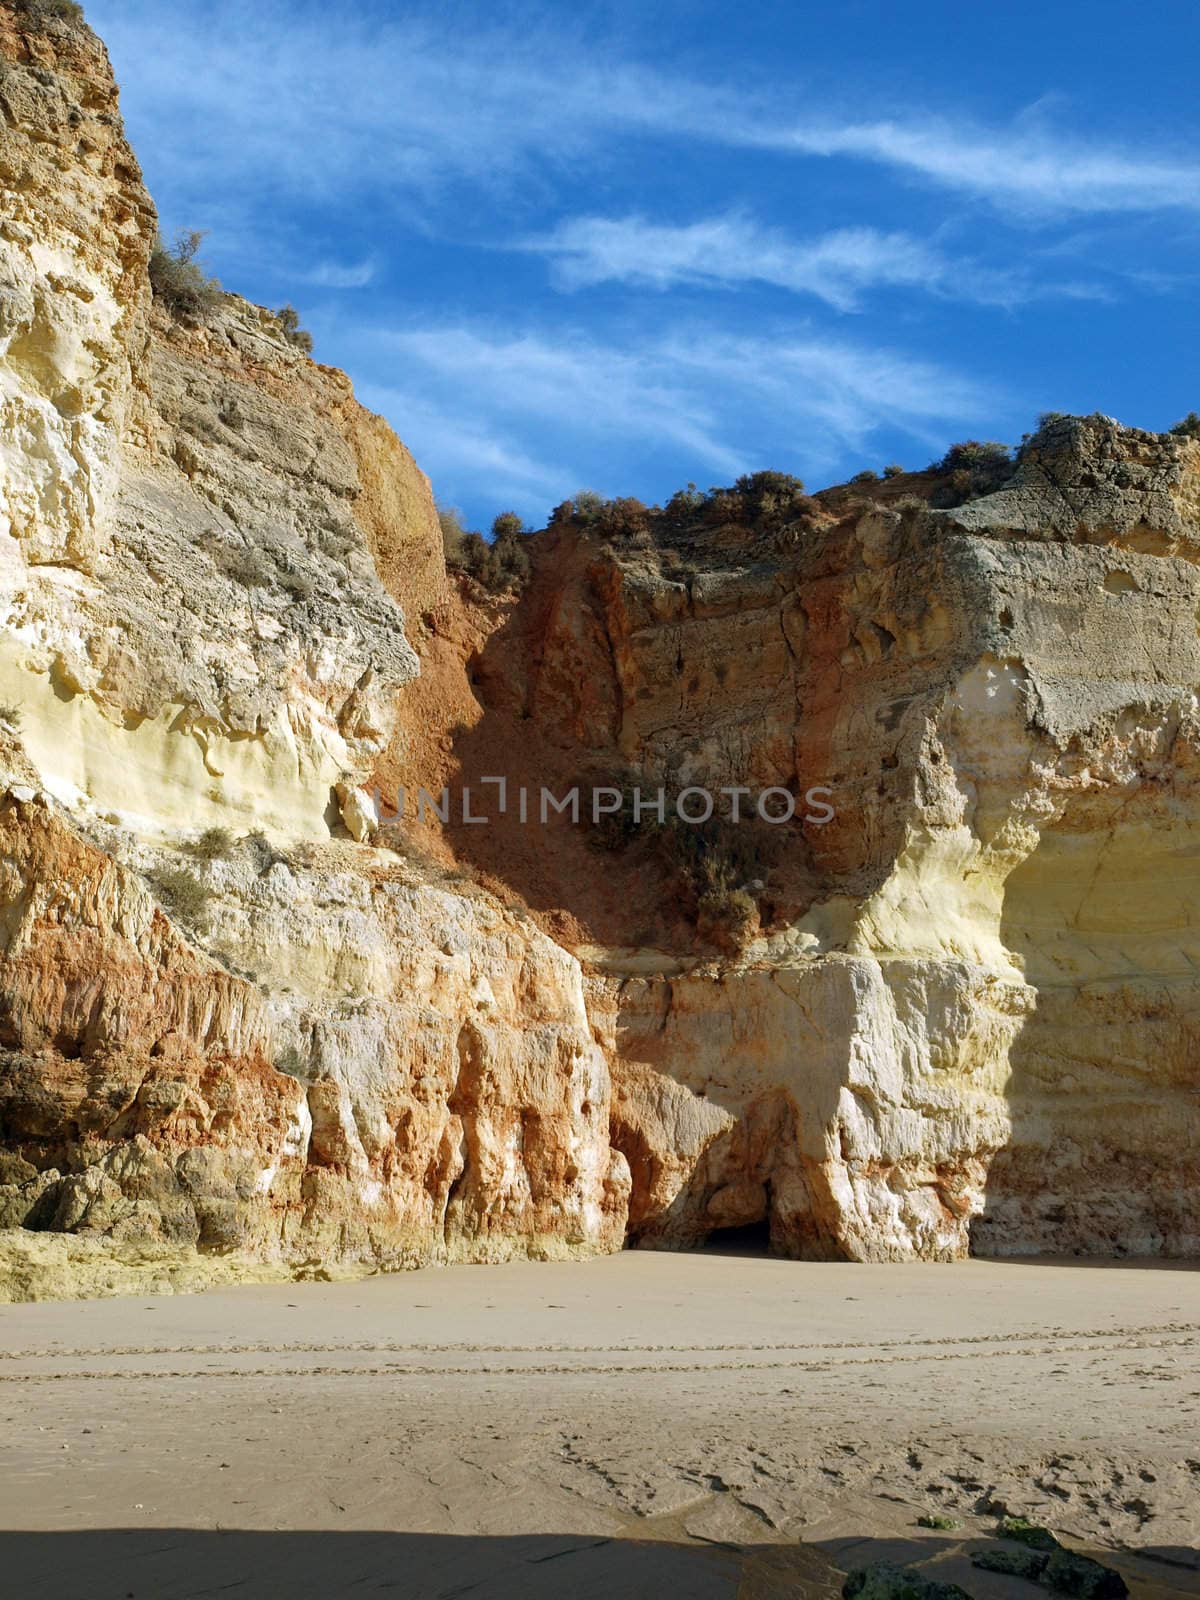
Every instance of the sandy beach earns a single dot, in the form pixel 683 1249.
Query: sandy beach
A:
pixel 728 1425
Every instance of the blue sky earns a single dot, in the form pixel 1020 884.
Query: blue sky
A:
pixel 624 246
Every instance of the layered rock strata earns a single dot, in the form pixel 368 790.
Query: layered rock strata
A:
pixel 275 1041
pixel 243 1023
pixel 969 1020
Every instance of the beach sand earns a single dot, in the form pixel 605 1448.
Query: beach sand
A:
pixel 715 1424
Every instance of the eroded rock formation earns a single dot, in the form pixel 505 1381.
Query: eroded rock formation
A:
pixel 243 1022
pixel 290 1044
pixel 968 1021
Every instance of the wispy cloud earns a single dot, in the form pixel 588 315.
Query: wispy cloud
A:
pixel 476 453
pixel 320 140
pixel 718 404
pixel 331 275
pixel 1038 167
pixel 836 267
pixel 271 111
pixel 601 392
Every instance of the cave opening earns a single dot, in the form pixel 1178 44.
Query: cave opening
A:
pixel 750 1239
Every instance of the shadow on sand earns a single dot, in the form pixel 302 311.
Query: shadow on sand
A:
pixel 174 1563
pixel 171 1563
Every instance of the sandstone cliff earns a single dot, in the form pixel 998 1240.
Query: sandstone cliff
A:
pixel 969 1018
pixel 245 1028
pixel 278 1041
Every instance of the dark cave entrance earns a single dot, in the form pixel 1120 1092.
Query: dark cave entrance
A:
pixel 751 1239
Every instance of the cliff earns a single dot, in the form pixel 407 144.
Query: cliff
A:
pixel 248 1027
pixel 224 1024
pixel 965 1018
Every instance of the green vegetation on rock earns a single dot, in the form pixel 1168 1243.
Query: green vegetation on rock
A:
pixel 1025 1563
pixel 884 1581
pixel 185 895
pixel 1027 1533
pixel 288 319
pixel 501 564
pixel 38 12
pixel 970 469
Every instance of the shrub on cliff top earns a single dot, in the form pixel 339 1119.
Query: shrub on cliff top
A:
pixel 684 504
pixel 1187 427
pixel 503 563
pixel 507 525
pixel 623 518
pixel 770 496
pixel 619 519
pixel 514 568
pixel 770 503
pixel 37 11
pixel 288 319
pixel 584 507
pixel 970 469
pixel 973 454
pixel 180 282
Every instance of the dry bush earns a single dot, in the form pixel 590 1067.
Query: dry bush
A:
pixel 972 468
pixel 288 319
pixel 500 565
pixel 728 918
pixel 250 567
pixel 453 532
pixel 214 844
pixel 622 519
pixel 713 867
pixel 37 12
pixel 180 282
pixel 771 503
pixel 263 852
pixel 187 897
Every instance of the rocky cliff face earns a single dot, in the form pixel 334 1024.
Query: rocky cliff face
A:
pixel 278 1042
pixel 245 1028
pixel 967 1021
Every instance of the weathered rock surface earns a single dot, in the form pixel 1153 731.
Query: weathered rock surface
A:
pixel 294 1048
pixel 960 1014
pixel 194 625
pixel 441 1096
pixel 970 1019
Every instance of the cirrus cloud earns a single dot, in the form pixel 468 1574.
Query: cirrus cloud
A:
pixel 473 394
pixel 271 110
pixel 836 267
